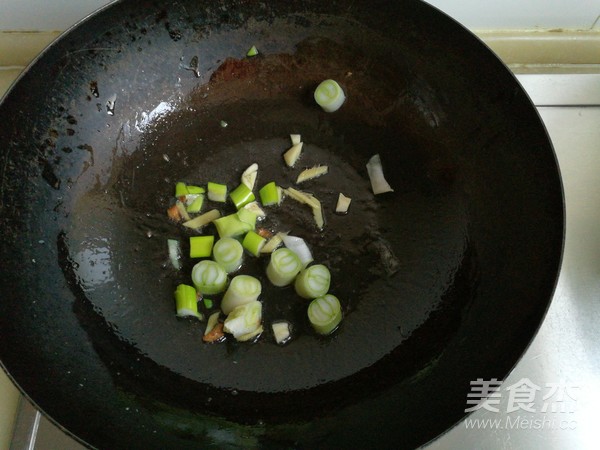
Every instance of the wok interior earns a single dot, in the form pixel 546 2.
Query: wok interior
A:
pixel 466 221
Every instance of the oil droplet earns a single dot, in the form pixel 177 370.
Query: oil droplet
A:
pixel 194 66
pixel 110 105
pixel 94 89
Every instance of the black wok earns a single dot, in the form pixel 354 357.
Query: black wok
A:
pixel 475 222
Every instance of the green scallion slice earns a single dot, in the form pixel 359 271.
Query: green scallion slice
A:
pixel 253 51
pixel 329 95
pixel 181 189
pixel 253 242
pixel 236 224
pixel 241 196
pixel 325 314
pixel 244 320
pixel 283 267
pixel 270 194
pixel 209 277
pixel 242 289
pixel 196 205
pixel 201 246
pixel 217 192
pixel 186 301
pixel 228 252
pixel 313 281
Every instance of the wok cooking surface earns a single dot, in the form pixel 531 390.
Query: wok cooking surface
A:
pixel 467 216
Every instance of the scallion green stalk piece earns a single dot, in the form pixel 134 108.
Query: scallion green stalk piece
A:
pixel 204 219
pixel 209 277
pixel 325 314
pixel 242 289
pixel 193 190
pixel 270 194
pixel 236 224
pixel 253 242
pixel 313 172
pixel 186 301
pixel 241 196
pixel 228 253
pixel 181 189
pixel 201 246
pixel 217 192
pixel 195 205
pixel 208 303
pixel 313 281
pixel 255 208
pixel 283 267
pixel 253 51
pixel 244 320
pixel 329 95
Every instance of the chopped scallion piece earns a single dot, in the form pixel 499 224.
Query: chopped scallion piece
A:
pixel 181 189
pixel 299 247
pixel 186 301
pixel 208 303
pixel 236 224
pixel 244 320
pixel 217 192
pixel 379 185
pixel 228 252
pixel 196 205
pixel 198 222
pixel 325 314
pixel 255 208
pixel 281 331
pixel 253 51
pixel 192 190
pixel 174 253
pixel 329 95
pixel 242 289
pixel 295 138
pixel 253 242
pixel 292 155
pixel 241 196
pixel 313 281
pixel 283 267
pixel 201 246
pixel 313 172
pixel 270 194
pixel 209 277
pixel 248 217
pixel 343 204
pixel 249 176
